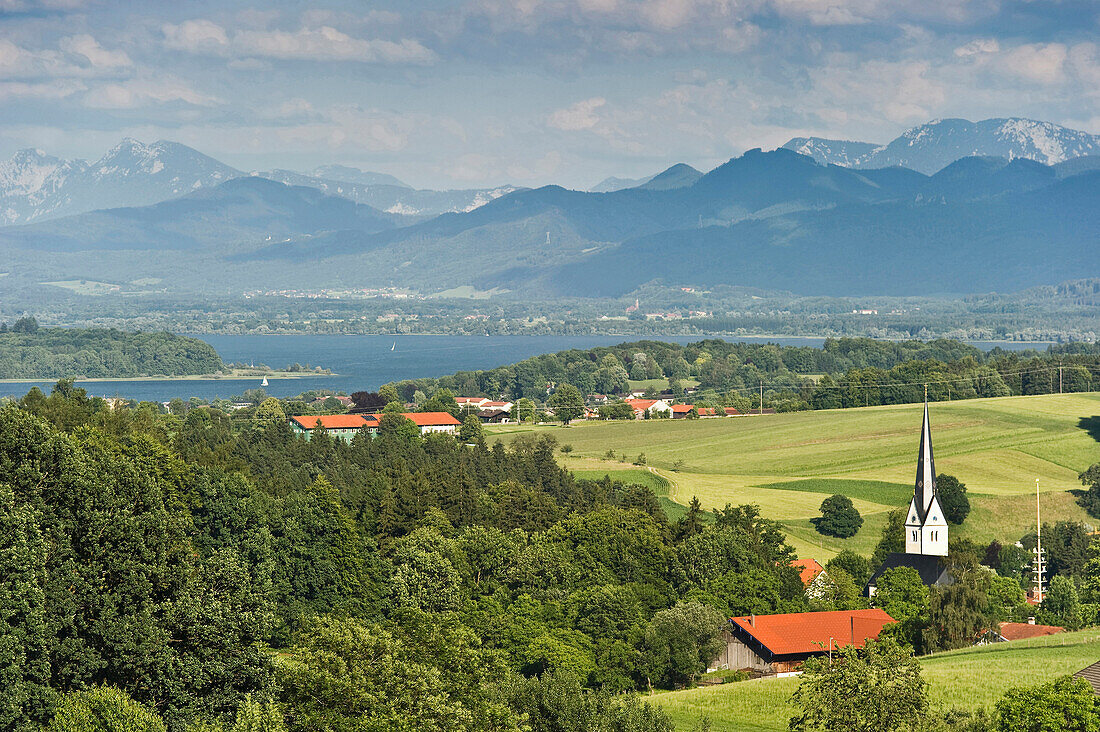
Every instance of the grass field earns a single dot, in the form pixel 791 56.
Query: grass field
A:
pixel 965 679
pixel 788 463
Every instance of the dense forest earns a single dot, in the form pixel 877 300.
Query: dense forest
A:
pixel 193 571
pixel 30 352
pixel 844 372
pixel 163 557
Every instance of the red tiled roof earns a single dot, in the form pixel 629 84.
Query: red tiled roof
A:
pixel 682 408
pixel 794 633
pixel 489 405
pixel 432 419
pixel 1020 631
pixel 469 400
pixel 641 404
pixel 330 421
pixel 808 569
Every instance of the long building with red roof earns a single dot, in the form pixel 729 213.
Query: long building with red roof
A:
pixel 778 644
pixel 344 426
pixel 347 426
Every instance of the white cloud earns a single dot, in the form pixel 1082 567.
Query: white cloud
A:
pixel 195 36
pixel 977 47
pixel 58 89
pixel 324 43
pixel 328 44
pixel 18 6
pixel 91 59
pixel 140 92
pixel 99 57
pixel 1039 62
pixel 18 62
pixel 579 116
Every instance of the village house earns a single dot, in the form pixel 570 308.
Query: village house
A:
pixel 682 411
pixel 814 577
pixel 470 404
pixel 344 426
pixel 712 412
pixel 779 644
pixel 495 416
pixel 347 426
pixel 1007 632
pixel 345 400
pixel 438 422
pixel 650 407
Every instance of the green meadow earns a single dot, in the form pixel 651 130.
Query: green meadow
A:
pixel 964 679
pixel 788 463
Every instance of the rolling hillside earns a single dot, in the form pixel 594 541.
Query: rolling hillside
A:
pixel 788 463
pixel 970 679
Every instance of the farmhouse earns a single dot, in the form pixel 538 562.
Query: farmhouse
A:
pixel 344 426
pixel 347 426
pixel 778 644
pixel 925 526
pixel 649 407
pixel 495 416
pixel 434 422
pixel 682 411
pixel 813 576
pixel 468 404
pixel 1017 631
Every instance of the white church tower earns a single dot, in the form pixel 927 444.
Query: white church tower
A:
pixel 925 527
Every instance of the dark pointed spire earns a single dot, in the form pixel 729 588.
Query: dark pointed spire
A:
pixel 926 468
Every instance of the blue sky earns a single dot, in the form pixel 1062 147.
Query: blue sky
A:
pixel 463 93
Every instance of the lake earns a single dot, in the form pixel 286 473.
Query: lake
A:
pixel 366 362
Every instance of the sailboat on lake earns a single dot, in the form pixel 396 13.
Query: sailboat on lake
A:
pixel 264 382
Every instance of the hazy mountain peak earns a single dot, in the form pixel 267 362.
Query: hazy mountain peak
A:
pixel 837 152
pixel 35 185
pixel 615 183
pixel 27 171
pixel 680 175
pixel 938 143
pixel 355 175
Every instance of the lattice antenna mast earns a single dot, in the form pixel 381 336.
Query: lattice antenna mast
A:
pixel 1039 561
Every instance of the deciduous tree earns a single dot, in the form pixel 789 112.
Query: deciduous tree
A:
pixel 839 517
pixel 877 689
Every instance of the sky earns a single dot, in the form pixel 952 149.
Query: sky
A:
pixel 472 93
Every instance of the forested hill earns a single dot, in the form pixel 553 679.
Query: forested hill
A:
pixel 793 377
pixel 29 352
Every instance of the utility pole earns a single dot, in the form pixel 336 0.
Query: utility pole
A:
pixel 1059 379
pixel 761 397
pixel 1040 563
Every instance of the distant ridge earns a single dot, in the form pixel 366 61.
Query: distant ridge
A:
pixel 930 147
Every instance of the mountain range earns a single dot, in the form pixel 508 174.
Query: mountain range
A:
pixel 930 147
pixel 35 186
pixel 773 220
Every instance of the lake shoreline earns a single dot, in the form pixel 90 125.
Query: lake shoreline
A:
pixel 274 376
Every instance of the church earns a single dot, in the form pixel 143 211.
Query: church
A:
pixel 925 525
